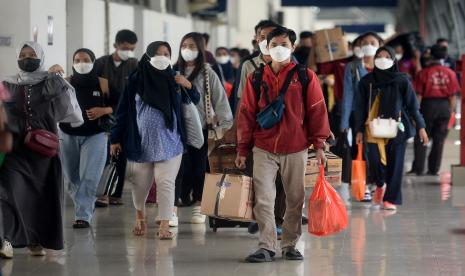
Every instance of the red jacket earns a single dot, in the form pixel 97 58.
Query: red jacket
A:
pixel 436 81
pixel 300 126
pixel 335 68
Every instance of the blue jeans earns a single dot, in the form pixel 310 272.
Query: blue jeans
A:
pixel 83 159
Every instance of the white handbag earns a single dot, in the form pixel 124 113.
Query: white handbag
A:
pixel 383 128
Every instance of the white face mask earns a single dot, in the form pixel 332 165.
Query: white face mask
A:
pixel 189 55
pixel 384 63
pixel 358 52
pixel 234 60
pixel 160 62
pixel 125 54
pixel 223 59
pixel 280 53
pixel 263 47
pixel 83 67
pixel 369 50
pixel 399 56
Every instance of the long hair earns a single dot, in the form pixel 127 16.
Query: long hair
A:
pixel 199 61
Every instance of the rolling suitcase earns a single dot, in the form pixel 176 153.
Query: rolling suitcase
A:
pixel 216 223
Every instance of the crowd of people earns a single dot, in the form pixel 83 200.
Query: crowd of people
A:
pixel 272 103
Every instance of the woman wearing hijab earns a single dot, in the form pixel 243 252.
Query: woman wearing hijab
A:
pixel 191 63
pixel 150 129
pixel 386 93
pixel 84 149
pixel 30 178
pixel 223 57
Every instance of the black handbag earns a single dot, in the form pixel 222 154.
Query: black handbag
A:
pixel 109 178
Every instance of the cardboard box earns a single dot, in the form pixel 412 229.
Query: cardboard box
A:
pixel 231 198
pixel 330 44
pixel 223 157
pixel 333 169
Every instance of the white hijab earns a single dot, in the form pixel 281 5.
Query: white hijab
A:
pixel 30 78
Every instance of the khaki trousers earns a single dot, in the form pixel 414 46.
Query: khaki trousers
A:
pixel 292 169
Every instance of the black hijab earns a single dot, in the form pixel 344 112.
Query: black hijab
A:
pixel 389 82
pixel 89 80
pixel 156 87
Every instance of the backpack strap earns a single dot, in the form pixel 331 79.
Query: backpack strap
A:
pixel 104 87
pixel 254 64
pixel 302 74
pixel 257 81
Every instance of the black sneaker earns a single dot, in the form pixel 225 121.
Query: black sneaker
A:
pixel 253 228
pixel 292 254
pixel 304 220
pixel 261 256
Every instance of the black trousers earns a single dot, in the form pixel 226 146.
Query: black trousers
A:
pixel 194 167
pixel 392 173
pixel 437 114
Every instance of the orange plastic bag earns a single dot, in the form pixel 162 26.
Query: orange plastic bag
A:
pixel 327 213
pixel 359 175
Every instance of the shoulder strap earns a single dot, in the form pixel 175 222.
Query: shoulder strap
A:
pixel 355 72
pixel 257 81
pixel 289 76
pixel 303 78
pixel 208 101
pixel 254 64
pixel 104 87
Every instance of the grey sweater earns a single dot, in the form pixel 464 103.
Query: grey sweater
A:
pixel 219 98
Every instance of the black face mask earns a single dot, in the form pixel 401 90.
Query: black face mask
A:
pixel 29 64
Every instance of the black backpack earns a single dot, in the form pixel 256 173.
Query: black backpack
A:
pixel 257 81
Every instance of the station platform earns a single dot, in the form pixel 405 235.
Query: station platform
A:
pixel 425 237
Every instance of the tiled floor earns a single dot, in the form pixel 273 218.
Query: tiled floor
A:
pixel 425 237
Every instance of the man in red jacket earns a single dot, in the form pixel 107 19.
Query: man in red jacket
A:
pixel 436 87
pixel 282 146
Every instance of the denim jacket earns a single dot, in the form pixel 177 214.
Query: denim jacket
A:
pixel 350 87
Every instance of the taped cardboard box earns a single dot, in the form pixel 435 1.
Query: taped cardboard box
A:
pixel 228 196
pixel 222 157
pixel 333 169
pixel 330 45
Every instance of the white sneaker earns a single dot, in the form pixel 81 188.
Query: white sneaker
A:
pixel 197 217
pixel 174 221
pixel 6 251
pixel 37 251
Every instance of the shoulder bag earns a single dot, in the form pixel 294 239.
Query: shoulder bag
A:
pixel 381 127
pixel 192 122
pixel 41 141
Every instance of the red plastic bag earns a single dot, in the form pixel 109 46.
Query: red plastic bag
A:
pixel 359 175
pixel 327 213
pixel 451 121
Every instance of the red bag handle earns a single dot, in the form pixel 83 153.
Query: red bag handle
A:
pixel 322 171
pixel 360 152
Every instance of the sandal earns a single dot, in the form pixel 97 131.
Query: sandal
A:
pixel 140 228
pixel 262 255
pixel 292 254
pixel 164 234
pixel 116 201
pixel 102 202
pixel 81 224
